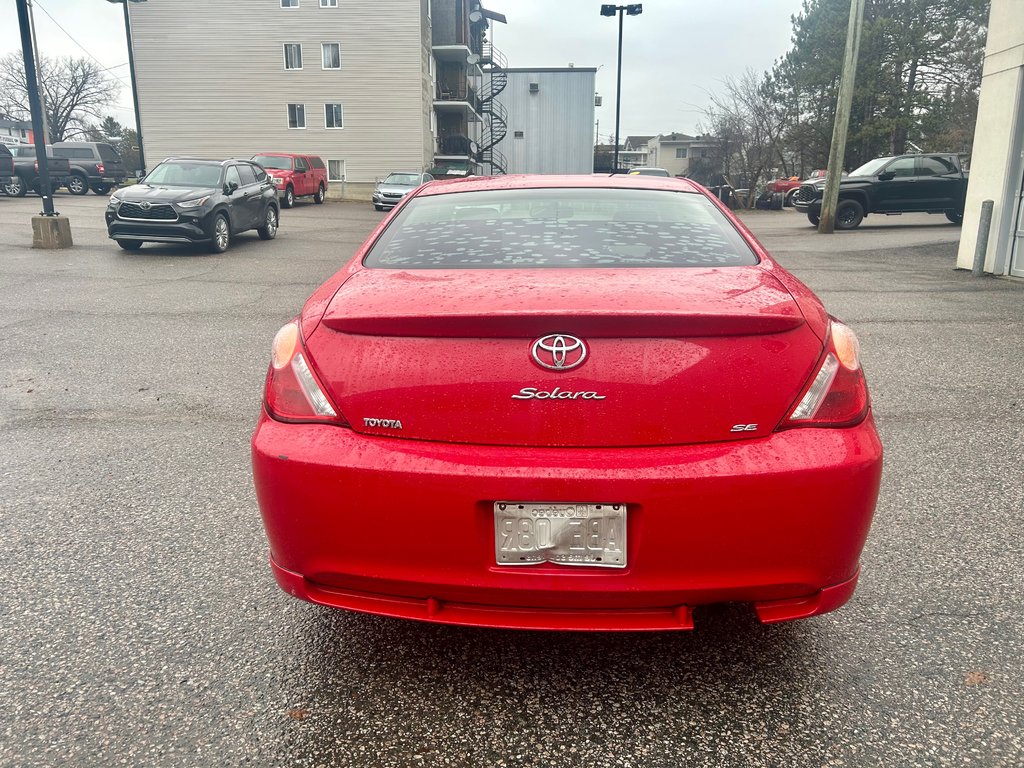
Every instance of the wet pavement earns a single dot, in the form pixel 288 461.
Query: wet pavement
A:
pixel 140 625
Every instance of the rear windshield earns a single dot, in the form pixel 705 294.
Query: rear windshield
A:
pixel 107 152
pixel 274 161
pixel 574 227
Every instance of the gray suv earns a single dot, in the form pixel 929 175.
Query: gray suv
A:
pixel 94 165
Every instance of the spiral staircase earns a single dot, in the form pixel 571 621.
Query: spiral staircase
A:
pixel 495 114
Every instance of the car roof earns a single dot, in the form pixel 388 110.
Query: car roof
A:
pixel 282 154
pixel 538 181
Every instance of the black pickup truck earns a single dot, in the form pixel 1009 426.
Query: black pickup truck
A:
pixel 26 170
pixel 933 183
pixel 6 166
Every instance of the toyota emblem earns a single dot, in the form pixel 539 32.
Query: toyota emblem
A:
pixel 145 206
pixel 559 352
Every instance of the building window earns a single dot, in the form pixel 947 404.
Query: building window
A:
pixel 335 170
pixel 517 134
pixel 332 55
pixel 292 56
pixel 328 3
pixel 333 116
pixel 680 153
pixel 296 115
pixel 289 3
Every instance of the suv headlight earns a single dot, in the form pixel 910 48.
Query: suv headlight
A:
pixel 114 200
pixel 192 203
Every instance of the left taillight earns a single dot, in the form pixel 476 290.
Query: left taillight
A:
pixel 292 392
pixel 837 394
pixel 100 169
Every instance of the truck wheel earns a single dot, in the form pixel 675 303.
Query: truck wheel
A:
pixel 289 197
pixel 16 188
pixel 814 219
pixel 101 189
pixel 77 185
pixel 849 214
pixel 320 194
pixel 790 197
pixel 129 245
pixel 955 218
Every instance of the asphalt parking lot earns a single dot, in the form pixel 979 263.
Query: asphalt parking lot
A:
pixel 140 625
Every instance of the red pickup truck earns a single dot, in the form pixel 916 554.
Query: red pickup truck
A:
pixel 295 175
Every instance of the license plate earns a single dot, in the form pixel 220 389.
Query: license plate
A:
pixel 528 533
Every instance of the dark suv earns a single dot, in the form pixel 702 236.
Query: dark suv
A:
pixel 188 200
pixel 94 165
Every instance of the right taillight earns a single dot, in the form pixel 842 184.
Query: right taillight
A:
pixel 837 394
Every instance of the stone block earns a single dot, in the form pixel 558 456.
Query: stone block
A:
pixel 51 232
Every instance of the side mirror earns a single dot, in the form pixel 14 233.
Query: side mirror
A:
pixel 230 187
pixel 886 176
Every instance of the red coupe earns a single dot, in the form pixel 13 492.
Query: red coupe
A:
pixel 573 402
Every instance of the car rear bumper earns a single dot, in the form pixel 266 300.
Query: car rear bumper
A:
pixel 405 528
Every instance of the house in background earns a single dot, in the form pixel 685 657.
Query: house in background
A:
pixel 16 132
pixel 675 152
pixel 633 153
pixel 371 86
pixel 550 113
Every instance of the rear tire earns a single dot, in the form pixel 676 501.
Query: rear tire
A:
pixel 849 214
pixel 221 234
pixel 378 207
pixel 318 198
pixel 101 189
pixel 289 198
pixel 814 219
pixel 955 218
pixel 16 188
pixel 129 245
pixel 269 229
pixel 78 184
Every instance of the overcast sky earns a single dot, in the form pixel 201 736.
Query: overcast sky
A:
pixel 674 54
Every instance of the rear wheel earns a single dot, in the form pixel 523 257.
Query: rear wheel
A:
pixel 101 189
pixel 849 214
pixel 77 184
pixel 221 234
pixel 130 245
pixel 289 198
pixel 269 229
pixel 16 188
pixel 813 218
pixel 955 217
pixel 378 207
pixel 318 198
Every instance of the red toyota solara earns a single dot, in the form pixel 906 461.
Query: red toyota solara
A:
pixel 588 403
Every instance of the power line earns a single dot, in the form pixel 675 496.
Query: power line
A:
pixel 39 5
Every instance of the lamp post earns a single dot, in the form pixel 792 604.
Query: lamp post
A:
pixel 634 9
pixel 135 87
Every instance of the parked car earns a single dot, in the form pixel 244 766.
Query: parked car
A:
pixel 188 200
pixel 648 172
pixel 565 402
pixel 93 165
pixel 397 185
pixel 6 165
pixel 932 183
pixel 295 176
pixel 26 170
pixel 785 188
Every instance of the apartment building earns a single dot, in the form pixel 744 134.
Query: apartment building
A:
pixel 550 120
pixel 675 152
pixel 371 86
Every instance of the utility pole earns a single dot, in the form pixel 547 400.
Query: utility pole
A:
pixel 49 228
pixel 834 169
pixel 633 9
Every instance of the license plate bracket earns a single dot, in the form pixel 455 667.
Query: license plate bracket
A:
pixel 579 534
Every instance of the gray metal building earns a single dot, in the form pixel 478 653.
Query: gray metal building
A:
pixel 550 120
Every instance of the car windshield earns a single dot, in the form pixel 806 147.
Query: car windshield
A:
pixel 185 174
pixel 871 167
pixel 403 179
pixel 274 161
pixel 570 227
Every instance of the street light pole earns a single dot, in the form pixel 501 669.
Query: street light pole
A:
pixel 135 86
pixel 35 106
pixel 634 9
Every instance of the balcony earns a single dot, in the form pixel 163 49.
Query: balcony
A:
pixel 457 97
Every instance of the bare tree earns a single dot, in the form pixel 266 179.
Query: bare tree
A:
pixel 749 127
pixel 75 91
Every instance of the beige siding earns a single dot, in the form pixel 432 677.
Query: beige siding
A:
pixel 212 81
